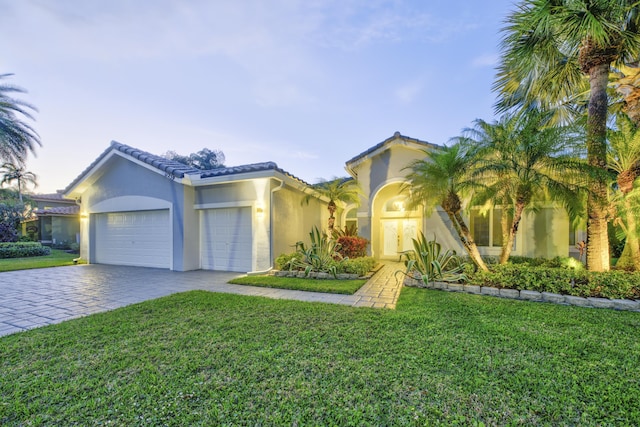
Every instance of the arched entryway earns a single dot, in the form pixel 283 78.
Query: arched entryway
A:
pixel 394 223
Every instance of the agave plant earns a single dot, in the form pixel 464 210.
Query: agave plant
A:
pixel 427 261
pixel 320 256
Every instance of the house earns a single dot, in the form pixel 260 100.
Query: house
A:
pixel 384 217
pixel 144 210
pixel 56 220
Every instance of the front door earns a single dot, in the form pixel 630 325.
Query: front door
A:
pixel 397 235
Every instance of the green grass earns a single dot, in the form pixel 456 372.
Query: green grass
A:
pixel 56 259
pixel 202 358
pixel 314 285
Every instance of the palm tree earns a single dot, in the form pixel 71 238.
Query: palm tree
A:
pixel 548 48
pixel 17 138
pixel 438 180
pixel 346 190
pixel 522 161
pixel 11 173
pixel 624 159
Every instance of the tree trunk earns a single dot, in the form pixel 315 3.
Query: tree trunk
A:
pixel 467 240
pixel 632 235
pixel 331 207
pixel 597 233
pixel 508 244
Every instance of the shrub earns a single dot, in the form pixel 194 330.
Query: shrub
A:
pixel 427 261
pixel 352 246
pixel 567 281
pixel 23 249
pixel 8 232
pixel 321 256
pixel 557 262
pixel 359 266
pixel 286 261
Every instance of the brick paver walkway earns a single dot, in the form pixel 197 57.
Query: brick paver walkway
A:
pixel 34 298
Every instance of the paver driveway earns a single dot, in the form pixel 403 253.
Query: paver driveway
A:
pixel 33 298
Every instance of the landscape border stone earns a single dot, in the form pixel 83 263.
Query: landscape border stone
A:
pixel 533 296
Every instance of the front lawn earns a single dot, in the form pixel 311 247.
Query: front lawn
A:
pixel 200 358
pixel 56 259
pixel 314 285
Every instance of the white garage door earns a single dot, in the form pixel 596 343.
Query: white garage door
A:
pixel 225 242
pixel 141 238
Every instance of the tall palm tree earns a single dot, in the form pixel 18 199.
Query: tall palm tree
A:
pixel 624 159
pixel 548 49
pixel 346 190
pixel 12 173
pixel 17 138
pixel 438 180
pixel 523 161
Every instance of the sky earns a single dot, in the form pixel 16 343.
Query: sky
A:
pixel 307 84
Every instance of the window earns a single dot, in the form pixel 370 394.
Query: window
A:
pixel 351 219
pixel 486 228
pixel 397 205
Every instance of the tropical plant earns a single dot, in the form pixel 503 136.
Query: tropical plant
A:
pixel 428 262
pixel 320 256
pixel 12 173
pixel 623 158
pixel 352 246
pixel 438 180
pixel 348 230
pixel 11 213
pixel 346 190
pixel 205 159
pixel 17 138
pixel 523 160
pixel 548 48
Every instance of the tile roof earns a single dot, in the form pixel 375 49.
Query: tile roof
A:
pixel 253 167
pixel 395 136
pixel 61 210
pixel 50 196
pixel 177 169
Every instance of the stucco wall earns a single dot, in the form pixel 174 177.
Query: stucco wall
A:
pixel 126 186
pixel 546 233
pixel 293 219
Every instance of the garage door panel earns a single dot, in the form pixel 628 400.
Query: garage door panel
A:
pixel 139 238
pixel 226 242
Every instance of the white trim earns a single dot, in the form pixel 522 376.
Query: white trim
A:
pixel 129 203
pixel 398 141
pixel 222 205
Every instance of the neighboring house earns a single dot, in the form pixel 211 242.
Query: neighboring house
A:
pixel 141 209
pixel 56 220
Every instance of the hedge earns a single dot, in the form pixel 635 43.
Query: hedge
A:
pixel 566 281
pixel 23 249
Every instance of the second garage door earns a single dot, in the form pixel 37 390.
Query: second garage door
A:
pixel 226 242
pixel 140 238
